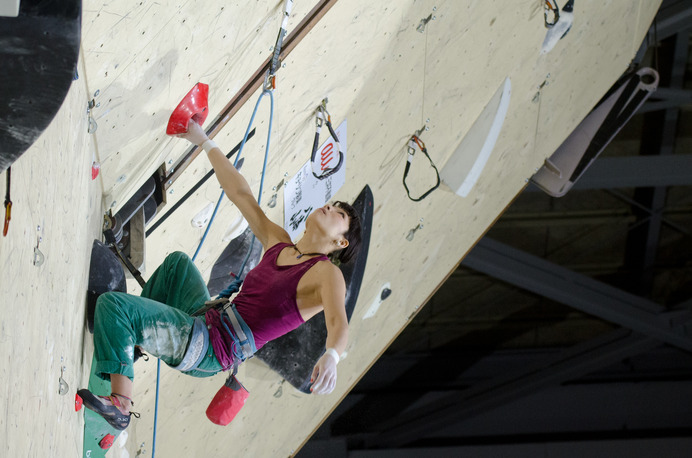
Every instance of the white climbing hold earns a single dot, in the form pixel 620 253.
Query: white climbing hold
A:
pixel 236 228
pixel 202 218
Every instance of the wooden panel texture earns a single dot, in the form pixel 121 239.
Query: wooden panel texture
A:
pixel 381 74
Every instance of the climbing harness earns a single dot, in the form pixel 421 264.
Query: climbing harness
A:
pixel 323 117
pixel 412 143
pixel 196 348
pixel 8 204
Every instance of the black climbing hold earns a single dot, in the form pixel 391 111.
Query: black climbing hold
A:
pixel 105 274
pixel 39 59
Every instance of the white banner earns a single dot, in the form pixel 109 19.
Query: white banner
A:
pixel 304 193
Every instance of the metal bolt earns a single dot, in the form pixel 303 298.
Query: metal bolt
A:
pixel 434 17
pixel 434 8
pixel 170 161
pixel 113 204
pixel 427 120
pixel 170 191
pixel 170 182
pixel 98 91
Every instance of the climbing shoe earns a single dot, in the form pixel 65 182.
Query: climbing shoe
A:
pixel 111 413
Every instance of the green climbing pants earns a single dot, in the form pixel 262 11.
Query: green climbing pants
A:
pixel 158 321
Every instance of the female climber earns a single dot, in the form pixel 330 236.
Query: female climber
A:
pixel 291 283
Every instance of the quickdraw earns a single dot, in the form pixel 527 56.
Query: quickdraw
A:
pixel 411 151
pixel 550 7
pixel 270 78
pixel 323 117
pixel 8 205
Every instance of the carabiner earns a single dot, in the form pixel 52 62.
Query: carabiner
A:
pixel 269 82
pixel 323 117
pixel 8 204
pixel 319 119
pixel 550 6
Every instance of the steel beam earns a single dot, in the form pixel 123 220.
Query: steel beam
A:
pixel 672 18
pixel 579 291
pixel 634 172
pixel 650 321
pixel 665 98
pixel 658 138
pixel 569 364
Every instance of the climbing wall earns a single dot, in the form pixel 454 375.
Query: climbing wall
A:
pixel 389 69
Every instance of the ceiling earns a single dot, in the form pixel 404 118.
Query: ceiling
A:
pixel 567 322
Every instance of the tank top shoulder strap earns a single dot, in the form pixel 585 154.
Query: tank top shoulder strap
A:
pixel 274 250
pixel 312 261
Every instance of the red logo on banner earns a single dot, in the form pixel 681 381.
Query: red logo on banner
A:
pixel 326 155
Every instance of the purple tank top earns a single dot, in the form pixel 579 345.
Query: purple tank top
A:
pixel 267 301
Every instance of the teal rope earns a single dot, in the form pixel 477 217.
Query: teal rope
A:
pixel 235 284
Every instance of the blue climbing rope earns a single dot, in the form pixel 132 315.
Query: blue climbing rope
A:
pixel 235 284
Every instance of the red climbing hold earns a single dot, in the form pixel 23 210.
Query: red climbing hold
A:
pixel 107 441
pixel 78 403
pixel 193 106
pixel 95 169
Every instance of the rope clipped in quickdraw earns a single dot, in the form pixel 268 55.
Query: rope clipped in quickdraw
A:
pixel 8 204
pixel 270 78
pixel 411 151
pixel 323 117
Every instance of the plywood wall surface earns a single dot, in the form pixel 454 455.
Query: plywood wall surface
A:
pixel 57 209
pixel 382 75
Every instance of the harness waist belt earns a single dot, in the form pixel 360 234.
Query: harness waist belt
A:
pixel 196 347
pixel 242 331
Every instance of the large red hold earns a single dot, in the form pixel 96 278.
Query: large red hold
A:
pixel 194 105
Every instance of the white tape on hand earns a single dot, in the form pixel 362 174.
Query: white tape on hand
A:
pixel 209 145
pixel 332 352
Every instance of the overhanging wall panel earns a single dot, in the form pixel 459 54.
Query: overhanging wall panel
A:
pixel 385 78
pixel 378 71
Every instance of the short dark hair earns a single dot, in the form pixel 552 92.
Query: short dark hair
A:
pixel 353 234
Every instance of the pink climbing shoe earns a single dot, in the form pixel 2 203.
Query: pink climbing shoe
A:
pixel 111 413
